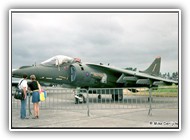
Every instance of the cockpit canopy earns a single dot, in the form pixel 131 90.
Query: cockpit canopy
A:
pixel 60 60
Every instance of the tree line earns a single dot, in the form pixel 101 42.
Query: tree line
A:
pixel 167 75
pixel 172 76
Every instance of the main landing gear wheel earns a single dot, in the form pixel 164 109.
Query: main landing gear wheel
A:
pixel 117 97
pixel 99 97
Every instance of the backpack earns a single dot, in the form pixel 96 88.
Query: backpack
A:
pixel 19 94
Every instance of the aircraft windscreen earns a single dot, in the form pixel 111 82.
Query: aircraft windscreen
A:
pixel 58 60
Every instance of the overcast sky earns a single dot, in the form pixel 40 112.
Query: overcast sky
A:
pixel 121 39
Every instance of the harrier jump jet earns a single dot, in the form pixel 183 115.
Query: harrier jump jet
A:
pixel 72 72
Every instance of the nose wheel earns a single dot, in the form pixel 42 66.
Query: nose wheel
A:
pixel 79 99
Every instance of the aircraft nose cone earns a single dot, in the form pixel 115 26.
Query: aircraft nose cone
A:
pixel 17 73
pixel 28 70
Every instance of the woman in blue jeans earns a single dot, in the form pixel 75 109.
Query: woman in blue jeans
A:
pixel 35 96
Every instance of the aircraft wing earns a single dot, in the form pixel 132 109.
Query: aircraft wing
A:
pixel 138 78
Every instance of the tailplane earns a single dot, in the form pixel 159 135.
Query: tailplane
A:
pixel 154 68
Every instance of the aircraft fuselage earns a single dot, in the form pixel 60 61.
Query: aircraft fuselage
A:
pixel 74 75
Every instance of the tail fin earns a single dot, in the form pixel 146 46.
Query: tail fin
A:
pixel 154 68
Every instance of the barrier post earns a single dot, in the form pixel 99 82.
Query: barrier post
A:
pixel 150 102
pixel 87 101
pixel 29 110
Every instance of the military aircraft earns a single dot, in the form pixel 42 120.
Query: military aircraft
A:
pixel 71 72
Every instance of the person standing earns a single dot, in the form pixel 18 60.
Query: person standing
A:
pixel 24 87
pixel 33 85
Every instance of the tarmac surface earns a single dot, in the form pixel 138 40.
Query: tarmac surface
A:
pixel 98 119
pixel 59 112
